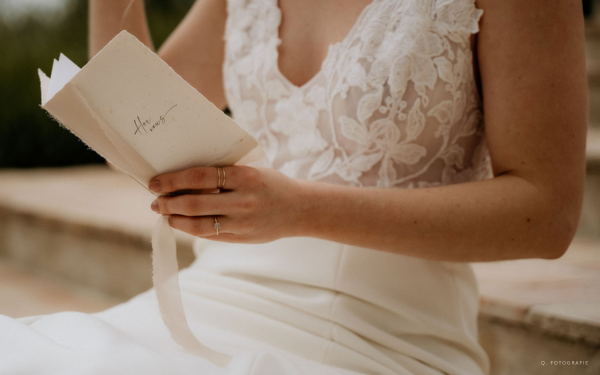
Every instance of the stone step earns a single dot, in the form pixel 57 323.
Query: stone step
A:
pixel 90 225
pixel 589 224
pixel 536 311
pixel 592 151
pixel 84 234
pixel 24 292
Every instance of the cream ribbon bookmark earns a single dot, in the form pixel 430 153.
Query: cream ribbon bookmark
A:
pixel 166 285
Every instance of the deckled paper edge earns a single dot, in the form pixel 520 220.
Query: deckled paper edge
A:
pixel 44 82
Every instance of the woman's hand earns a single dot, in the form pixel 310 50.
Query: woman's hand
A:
pixel 255 205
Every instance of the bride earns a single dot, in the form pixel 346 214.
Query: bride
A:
pixel 347 251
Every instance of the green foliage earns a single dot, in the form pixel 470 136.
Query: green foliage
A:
pixel 28 137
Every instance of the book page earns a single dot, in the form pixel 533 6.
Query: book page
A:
pixel 63 71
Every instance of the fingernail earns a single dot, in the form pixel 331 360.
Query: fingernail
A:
pixel 155 186
pixel 154 207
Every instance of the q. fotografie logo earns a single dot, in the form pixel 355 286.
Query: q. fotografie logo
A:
pixel 565 363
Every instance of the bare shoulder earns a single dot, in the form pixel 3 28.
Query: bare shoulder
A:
pixel 196 49
pixel 532 65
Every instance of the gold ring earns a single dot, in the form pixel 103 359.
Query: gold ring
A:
pixel 217 225
pixel 220 181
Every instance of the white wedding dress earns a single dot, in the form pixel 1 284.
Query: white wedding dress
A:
pixel 395 105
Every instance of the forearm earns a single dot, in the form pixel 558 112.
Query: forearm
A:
pixel 109 17
pixel 503 218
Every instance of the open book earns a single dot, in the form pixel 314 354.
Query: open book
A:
pixel 134 110
pixel 128 105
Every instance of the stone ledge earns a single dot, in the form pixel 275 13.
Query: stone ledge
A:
pixel 82 197
pixel 576 321
pixel 550 320
pixel 560 298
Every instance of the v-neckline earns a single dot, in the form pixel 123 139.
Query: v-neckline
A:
pixel 329 48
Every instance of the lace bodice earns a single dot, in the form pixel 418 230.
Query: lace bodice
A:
pixel 395 104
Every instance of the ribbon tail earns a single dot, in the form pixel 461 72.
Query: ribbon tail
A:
pixel 166 284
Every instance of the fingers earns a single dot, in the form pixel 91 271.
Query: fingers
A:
pixel 192 205
pixel 197 178
pixel 203 226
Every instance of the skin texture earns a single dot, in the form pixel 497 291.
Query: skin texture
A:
pixel 531 67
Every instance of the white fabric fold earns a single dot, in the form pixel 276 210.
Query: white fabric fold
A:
pixel 166 284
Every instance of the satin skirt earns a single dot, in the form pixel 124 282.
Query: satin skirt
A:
pixel 292 306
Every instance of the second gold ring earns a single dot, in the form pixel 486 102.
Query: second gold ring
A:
pixel 220 180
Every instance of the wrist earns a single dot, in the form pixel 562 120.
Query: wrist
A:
pixel 308 208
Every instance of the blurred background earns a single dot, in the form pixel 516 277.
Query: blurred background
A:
pixel 32 34
pixel 75 235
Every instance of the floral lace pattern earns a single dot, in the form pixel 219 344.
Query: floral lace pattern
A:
pixel 395 104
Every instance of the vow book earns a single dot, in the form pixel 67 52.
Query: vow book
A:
pixel 130 107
